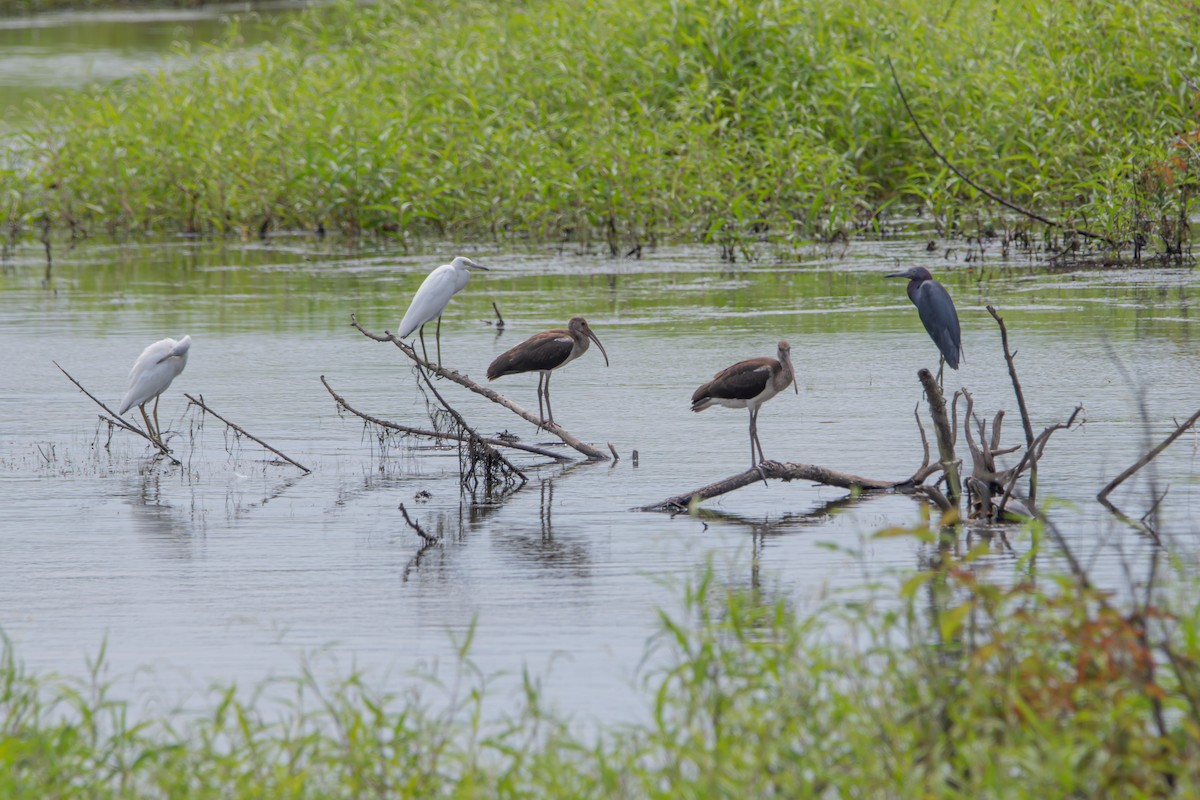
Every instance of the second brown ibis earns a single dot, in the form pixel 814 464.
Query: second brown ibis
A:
pixel 545 352
pixel 749 384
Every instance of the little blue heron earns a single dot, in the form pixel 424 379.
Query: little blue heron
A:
pixel 749 384
pixel 543 353
pixel 158 365
pixel 432 298
pixel 937 313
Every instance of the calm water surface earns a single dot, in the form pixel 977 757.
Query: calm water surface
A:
pixel 232 568
pixel 46 53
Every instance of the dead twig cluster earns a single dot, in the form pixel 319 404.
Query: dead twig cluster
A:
pixel 478 459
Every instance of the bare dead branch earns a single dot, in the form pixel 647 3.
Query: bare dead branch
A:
pixel 613 450
pixel 1030 458
pixel 924 445
pixel 977 187
pixel 419 530
pixel 779 471
pixel 242 431
pixel 1147 458
pixel 1026 423
pixel 456 437
pixel 996 422
pixel 944 433
pixel 114 418
pixel 499 319
pixel 592 453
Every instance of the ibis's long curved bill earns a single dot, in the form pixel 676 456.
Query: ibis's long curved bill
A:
pixel 592 336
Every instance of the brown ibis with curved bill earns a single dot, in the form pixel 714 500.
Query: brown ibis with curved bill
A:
pixel 749 384
pixel 543 353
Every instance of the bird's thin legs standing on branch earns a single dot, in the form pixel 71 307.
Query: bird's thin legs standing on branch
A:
pixel 149 427
pixel 438 336
pixel 424 352
pixel 157 424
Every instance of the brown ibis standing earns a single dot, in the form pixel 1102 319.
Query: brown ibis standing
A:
pixel 749 384
pixel 545 352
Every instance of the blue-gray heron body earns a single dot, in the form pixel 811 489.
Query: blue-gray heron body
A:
pixel 937 312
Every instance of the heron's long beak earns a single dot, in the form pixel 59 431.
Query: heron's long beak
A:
pixel 896 275
pixel 592 336
pixel 473 265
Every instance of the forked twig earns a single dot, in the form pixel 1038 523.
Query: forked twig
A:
pixel 1026 423
pixel 242 431
pixel 1030 458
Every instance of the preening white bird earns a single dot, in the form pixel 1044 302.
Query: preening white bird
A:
pixel 432 298
pixel 158 365
pixel 749 384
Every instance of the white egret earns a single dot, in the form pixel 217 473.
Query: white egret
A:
pixel 433 297
pixel 152 373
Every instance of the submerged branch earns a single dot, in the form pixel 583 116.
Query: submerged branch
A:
pixel 429 539
pixel 592 453
pixel 242 431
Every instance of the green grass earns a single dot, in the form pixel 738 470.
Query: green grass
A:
pixel 729 121
pixel 950 683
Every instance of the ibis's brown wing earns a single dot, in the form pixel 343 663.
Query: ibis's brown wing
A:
pixel 545 350
pixel 742 381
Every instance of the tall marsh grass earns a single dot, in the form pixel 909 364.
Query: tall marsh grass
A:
pixel 949 684
pixel 627 121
